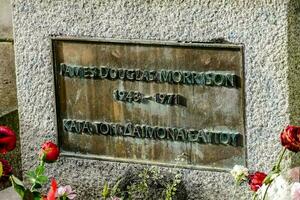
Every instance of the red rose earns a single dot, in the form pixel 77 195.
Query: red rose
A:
pixel 7 139
pixel 256 180
pixel 7 168
pixel 50 152
pixel 290 138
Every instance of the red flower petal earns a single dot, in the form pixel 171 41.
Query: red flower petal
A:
pixel 51 151
pixel 7 139
pixel 7 168
pixel 290 138
pixel 52 191
pixel 256 180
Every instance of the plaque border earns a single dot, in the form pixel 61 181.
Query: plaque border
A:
pixel 196 44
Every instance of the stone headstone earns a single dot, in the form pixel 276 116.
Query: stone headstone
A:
pixel 9 194
pixel 8 91
pixel 266 33
pixel 6 28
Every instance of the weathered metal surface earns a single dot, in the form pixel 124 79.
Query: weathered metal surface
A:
pixel 196 91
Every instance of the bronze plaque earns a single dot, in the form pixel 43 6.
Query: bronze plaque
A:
pixel 164 103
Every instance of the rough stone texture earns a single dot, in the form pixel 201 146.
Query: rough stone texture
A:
pixel 294 70
pixel 262 26
pixel 8 91
pixel 9 194
pixel 5 19
pixel 294 63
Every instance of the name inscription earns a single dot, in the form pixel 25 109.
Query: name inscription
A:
pixel 162 76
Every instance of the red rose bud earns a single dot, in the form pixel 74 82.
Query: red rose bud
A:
pixel 7 139
pixel 290 138
pixel 6 168
pixel 256 180
pixel 50 152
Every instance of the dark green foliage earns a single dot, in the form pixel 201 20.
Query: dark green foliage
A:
pixel 150 183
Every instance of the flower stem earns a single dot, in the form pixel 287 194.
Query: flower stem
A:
pixel 265 195
pixel 32 187
pixel 276 169
pixel 42 163
pixel 254 196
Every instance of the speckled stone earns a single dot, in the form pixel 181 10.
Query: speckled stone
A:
pixel 6 27
pixel 8 91
pixel 9 194
pixel 267 28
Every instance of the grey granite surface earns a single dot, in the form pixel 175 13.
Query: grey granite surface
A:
pixel 9 194
pixel 6 27
pixel 264 27
pixel 8 91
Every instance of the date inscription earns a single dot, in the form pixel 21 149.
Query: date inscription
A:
pixel 138 97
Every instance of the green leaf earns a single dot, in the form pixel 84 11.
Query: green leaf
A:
pixel 28 195
pixel 105 191
pixel 37 186
pixel 37 195
pixel 17 181
pixel 43 157
pixel 36 178
pixel 63 198
pixel 270 178
pixel 115 188
pixel 42 179
pixel 40 170
pixel 31 176
pixel 17 185
pixel 32 180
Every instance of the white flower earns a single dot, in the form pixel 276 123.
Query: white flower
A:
pixel 294 174
pixel 295 191
pixel 239 173
pixel 279 189
pixel 65 191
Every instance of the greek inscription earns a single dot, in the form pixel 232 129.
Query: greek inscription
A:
pixel 150 132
